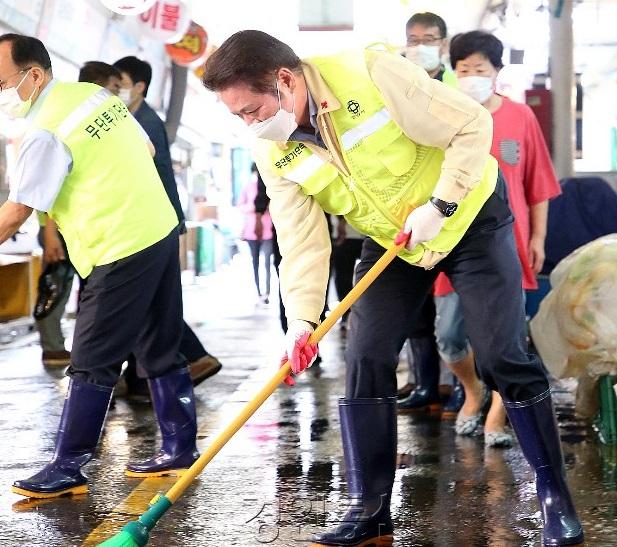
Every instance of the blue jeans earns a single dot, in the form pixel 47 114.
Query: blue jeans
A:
pixel 452 341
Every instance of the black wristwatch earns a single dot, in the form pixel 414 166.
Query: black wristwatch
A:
pixel 446 208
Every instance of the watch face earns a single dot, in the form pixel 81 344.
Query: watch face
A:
pixel 450 209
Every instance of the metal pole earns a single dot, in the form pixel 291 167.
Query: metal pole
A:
pixel 561 68
pixel 179 76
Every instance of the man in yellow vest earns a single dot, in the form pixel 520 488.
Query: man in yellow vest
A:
pixel 371 136
pixel 58 271
pixel 86 162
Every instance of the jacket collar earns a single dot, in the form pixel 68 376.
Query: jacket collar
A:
pixel 319 90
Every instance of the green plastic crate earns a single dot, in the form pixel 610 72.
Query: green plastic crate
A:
pixel 606 423
pixel 205 262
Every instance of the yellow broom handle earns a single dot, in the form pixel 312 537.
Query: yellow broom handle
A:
pixel 251 407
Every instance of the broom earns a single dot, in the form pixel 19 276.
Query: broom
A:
pixel 136 533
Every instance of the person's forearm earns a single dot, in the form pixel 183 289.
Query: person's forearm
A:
pixel 51 228
pixel 538 217
pixel 465 159
pixel 304 243
pixel 12 216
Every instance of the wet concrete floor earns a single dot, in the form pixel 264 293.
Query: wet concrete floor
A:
pixel 280 478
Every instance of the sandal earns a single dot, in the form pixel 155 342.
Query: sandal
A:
pixel 467 425
pixel 498 439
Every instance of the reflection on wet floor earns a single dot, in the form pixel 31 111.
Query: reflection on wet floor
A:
pixel 281 477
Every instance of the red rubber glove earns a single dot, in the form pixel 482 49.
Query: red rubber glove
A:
pixel 302 354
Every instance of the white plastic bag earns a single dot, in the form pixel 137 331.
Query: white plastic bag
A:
pixel 575 330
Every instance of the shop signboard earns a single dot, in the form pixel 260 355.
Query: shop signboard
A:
pixel 166 21
pixel 191 47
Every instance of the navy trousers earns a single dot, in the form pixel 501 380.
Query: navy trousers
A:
pixel 133 305
pixel 485 271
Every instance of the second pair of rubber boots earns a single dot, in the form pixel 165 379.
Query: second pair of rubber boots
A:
pixel 81 424
pixel 425 396
pixel 370 465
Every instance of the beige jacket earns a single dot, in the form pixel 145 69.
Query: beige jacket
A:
pixel 429 113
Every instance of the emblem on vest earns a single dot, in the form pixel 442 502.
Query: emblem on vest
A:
pixel 354 108
pixel 288 158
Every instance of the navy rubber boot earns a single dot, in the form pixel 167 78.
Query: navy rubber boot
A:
pixel 174 405
pixel 425 396
pixel 370 464
pixel 536 428
pixel 455 400
pixel 85 408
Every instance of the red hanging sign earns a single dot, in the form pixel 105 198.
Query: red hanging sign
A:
pixel 191 47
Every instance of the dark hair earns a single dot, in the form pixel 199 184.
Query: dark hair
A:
pixel 477 41
pixel 97 72
pixel 138 70
pixel 27 51
pixel 428 19
pixel 250 57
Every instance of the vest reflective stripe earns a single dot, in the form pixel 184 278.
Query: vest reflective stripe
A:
pixel 306 169
pixel 373 124
pixel 112 204
pixel 86 108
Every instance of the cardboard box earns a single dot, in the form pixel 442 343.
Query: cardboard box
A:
pixel 19 276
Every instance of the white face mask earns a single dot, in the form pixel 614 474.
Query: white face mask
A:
pixel 427 57
pixel 280 126
pixel 124 94
pixel 479 88
pixel 12 104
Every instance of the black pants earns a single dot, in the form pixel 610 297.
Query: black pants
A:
pixel 190 345
pixel 485 271
pixel 424 325
pixel 133 305
pixel 261 247
pixel 344 257
pixel 276 259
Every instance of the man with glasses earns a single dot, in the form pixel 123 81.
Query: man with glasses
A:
pixel 57 277
pixel 86 162
pixel 427 43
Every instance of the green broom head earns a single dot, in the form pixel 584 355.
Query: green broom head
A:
pixel 137 533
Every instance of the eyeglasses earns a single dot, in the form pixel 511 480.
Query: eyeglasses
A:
pixel 3 83
pixel 425 41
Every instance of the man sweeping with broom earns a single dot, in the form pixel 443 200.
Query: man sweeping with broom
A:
pixel 86 162
pixel 370 136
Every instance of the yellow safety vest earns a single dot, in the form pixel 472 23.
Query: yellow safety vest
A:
pixel 112 204
pixel 390 174
pixel 449 78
